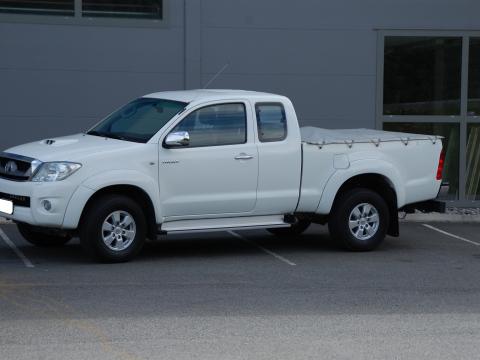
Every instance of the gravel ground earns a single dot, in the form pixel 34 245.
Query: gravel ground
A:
pixel 463 211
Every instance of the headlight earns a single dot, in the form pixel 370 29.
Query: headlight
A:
pixel 55 171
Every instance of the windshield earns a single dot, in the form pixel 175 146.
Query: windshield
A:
pixel 139 120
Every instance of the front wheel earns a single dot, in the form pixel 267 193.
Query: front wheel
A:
pixel 113 229
pixel 42 238
pixel 359 220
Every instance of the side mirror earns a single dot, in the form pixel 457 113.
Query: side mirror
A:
pixel 176 139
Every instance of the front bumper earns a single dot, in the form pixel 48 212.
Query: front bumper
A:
pixel 57 193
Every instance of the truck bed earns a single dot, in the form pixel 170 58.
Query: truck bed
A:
pixel 319 136
pixel 331 157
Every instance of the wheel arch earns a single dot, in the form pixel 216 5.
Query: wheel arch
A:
pixel 135 193
pixel 380 184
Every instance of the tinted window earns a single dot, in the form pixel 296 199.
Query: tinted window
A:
pixel 138 120
pixel 38 7
pixel 224 124
pixel 140 9
pixel 422 75
pixel 271 122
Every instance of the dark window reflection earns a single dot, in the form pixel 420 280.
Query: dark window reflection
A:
pixel 450 144
pixel 38 7
pixel 422 75
pixel 140 9
pixel 474 77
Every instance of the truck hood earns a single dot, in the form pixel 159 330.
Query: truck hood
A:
pixel 72 148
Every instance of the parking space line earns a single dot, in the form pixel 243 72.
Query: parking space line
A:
pixel 269 252
pixel 451 235
pixel 16 250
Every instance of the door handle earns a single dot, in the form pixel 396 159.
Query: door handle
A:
pixel 243 156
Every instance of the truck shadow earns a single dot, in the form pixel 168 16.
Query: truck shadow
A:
pixel 219 245
pixel 207 246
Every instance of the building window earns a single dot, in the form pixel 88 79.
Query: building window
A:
pixel 431 84
pixel 422 75
pixel 473 162
pixel 474 77
pixel 451 145
pixel 133 9
pixel 83 12
pixel 39 7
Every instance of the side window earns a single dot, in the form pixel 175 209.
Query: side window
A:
pixel 271 122
pixel 223 124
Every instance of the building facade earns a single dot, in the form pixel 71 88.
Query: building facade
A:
pixel 409 65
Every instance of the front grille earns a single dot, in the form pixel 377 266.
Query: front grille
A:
pixel 15 167
pixel 18 200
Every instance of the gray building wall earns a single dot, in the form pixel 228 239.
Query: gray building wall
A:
pixel 59 79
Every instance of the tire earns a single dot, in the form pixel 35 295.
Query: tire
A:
pixel 124 237
pixel 42 239
pixel 359 220
pixel 296 229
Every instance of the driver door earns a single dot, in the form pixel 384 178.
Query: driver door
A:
pixel 216 170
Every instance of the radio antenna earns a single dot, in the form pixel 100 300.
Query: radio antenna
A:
pixel 216 75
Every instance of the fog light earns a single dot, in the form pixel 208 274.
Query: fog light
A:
pixel 47 205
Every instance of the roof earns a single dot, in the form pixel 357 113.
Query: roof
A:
pixel 207 94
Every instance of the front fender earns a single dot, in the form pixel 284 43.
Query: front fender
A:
pixel 110 178
pixel 360 167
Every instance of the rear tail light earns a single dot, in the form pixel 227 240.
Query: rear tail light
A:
pixel 441 164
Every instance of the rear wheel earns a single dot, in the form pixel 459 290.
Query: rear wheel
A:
pixel 113 229
pixel 42 238
pixel 359 220
pixel 296 229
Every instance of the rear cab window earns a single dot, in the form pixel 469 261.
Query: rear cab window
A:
pixel 271 122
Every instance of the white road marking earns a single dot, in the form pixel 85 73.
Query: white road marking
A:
pixel 451 235
pixel 16 250
pixel 269 252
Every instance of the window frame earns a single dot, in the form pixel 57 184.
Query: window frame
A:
pixel 270 103
pixel 78 20
pixel 172 128
pixel 462 119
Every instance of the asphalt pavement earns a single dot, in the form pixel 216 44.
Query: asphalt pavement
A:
pixel 246 295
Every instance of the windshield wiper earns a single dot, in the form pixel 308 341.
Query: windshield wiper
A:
pixel 97 133
pixel 116 136
pixel 107 135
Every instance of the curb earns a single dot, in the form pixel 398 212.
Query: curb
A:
pixel 437 217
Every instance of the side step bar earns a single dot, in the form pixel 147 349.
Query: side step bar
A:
pixel 222 224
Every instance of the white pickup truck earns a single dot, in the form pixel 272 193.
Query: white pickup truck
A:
pixel 214 160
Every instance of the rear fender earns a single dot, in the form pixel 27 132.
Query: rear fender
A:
pixel 360 167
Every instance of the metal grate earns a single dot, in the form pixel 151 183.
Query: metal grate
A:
pixel 15 167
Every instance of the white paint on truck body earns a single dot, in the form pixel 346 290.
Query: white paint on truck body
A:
pixel 301 173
